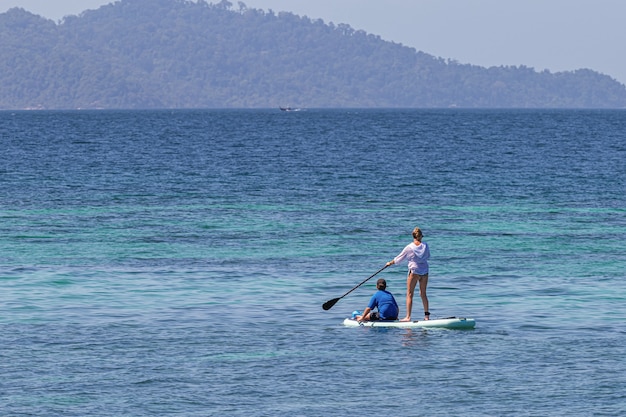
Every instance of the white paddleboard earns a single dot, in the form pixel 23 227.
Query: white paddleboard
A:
pixel 445 323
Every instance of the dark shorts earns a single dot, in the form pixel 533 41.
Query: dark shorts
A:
pixel 375 316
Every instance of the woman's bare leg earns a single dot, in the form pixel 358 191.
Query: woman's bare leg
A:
pixel 411 282
pixel 423 279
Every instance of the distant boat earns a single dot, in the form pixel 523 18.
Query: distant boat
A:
pixel 289 108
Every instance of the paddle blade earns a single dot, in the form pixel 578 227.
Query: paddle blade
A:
pixel 330 303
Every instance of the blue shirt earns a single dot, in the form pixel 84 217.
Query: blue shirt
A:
pixel 386 304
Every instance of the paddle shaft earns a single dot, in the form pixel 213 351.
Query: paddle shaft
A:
pixel 328 304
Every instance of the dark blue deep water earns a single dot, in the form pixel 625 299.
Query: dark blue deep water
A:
pixel 175 262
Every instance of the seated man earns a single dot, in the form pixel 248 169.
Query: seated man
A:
pixel 384 302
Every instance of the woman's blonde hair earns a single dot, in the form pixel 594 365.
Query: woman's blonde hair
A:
pixel 417 233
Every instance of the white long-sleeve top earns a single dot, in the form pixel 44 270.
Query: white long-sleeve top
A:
pixel 417 257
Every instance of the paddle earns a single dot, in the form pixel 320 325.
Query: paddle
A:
pixel 330 303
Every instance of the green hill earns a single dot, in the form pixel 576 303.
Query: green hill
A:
pixel 183 54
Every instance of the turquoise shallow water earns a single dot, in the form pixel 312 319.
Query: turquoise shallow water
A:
pixel 175 263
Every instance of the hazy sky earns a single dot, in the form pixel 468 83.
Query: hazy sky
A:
pixel 544 34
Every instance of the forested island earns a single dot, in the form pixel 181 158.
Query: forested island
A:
pixel 150 54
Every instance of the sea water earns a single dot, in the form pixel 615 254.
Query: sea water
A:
pixel 176 262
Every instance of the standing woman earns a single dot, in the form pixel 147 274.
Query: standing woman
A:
pixel 416 254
